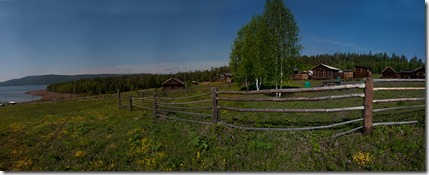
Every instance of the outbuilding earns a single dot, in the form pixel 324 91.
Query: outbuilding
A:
pixel 347 75
pixel 361 72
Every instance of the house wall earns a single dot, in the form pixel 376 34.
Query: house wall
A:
pixel 347 75
pixel 323 73
pixel 419 73
pixel 388 73
pixel 361 72
pixel 406 75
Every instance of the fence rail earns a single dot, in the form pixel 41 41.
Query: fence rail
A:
pixel 165 105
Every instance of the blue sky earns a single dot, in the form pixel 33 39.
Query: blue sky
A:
pixel 165 36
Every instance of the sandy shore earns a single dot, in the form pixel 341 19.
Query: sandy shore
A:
pixel 50 96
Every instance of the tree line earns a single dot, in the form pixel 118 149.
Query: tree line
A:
pixel 346 61
pixel 107 85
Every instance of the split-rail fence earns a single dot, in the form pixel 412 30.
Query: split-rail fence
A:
pixel 162 106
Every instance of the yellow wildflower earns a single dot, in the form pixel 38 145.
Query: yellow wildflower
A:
pixel 362 158
pixel 79 153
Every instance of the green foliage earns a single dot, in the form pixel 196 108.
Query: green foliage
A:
pixel 108 85
pixel 347 61
pixel 266 47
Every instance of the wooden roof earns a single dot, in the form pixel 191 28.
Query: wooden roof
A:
pixel 173 79
pixel 390 68
pixel 416 69
pixel 329 67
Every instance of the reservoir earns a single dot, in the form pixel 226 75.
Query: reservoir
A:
pixel 17 93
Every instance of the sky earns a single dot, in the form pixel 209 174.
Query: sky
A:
pixel 71 37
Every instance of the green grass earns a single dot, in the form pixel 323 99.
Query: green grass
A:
pixel 93 135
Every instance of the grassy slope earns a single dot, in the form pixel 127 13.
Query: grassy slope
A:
pixel 92 134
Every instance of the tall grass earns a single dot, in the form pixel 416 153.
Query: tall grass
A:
pixel 93 135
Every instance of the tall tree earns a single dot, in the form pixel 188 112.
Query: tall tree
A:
pixel 265 49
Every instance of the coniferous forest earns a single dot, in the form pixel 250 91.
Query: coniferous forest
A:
pixel 345 61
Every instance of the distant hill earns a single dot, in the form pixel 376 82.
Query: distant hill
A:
pixel 49 79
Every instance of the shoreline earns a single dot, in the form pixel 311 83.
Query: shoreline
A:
pixel 49 96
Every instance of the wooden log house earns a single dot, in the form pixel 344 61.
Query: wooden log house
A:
pixel 173 83
pixel 325 72
pixel 389 72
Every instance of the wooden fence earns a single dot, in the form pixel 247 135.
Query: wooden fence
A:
pixel 209 104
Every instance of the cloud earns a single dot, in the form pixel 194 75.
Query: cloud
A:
pixel 340 44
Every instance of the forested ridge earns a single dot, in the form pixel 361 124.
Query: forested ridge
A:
pixel 105 85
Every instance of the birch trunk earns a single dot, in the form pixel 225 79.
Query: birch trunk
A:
pixel 257 84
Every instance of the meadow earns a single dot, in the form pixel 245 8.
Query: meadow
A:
pixel 92 134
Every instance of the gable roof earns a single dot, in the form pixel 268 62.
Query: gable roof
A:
pixel 173 79
pixel 329 67
pixel 390 68
pixel 416 69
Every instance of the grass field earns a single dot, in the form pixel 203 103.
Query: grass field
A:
pixel 94 135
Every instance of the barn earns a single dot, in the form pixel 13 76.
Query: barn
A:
pixel 419 72
pixel 325 72
pixel 173 83
pixel 361 72
pixel 388 72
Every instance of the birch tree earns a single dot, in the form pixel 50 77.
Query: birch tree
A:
pixel 265 48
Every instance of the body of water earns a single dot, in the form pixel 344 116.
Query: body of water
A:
pixel 17 93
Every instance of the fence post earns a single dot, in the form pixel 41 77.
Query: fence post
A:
pixel 367 114
pixel 215 110
pixel 131 103
pixel 155 107
pixel 119 99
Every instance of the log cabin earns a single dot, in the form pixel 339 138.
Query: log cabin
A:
pixel 325 72
pixel 389 72
pixel 173 83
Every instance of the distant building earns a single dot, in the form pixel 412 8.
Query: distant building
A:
pixel 225 77
pixel 419 72
pixel 347 75
pixel 325 72
pixel 389 72
pixel 304 75
pixel 406 74
pixel 173 83
pixel 361 72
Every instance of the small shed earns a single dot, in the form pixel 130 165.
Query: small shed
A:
pixel 173 83
pixel 347 75
pixel 304 75
pixel 406 74
pixel 388 72
pixel 419 72
pixel 361 72
pixel 325 72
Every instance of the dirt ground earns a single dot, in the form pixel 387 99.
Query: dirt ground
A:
pixel 50 96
